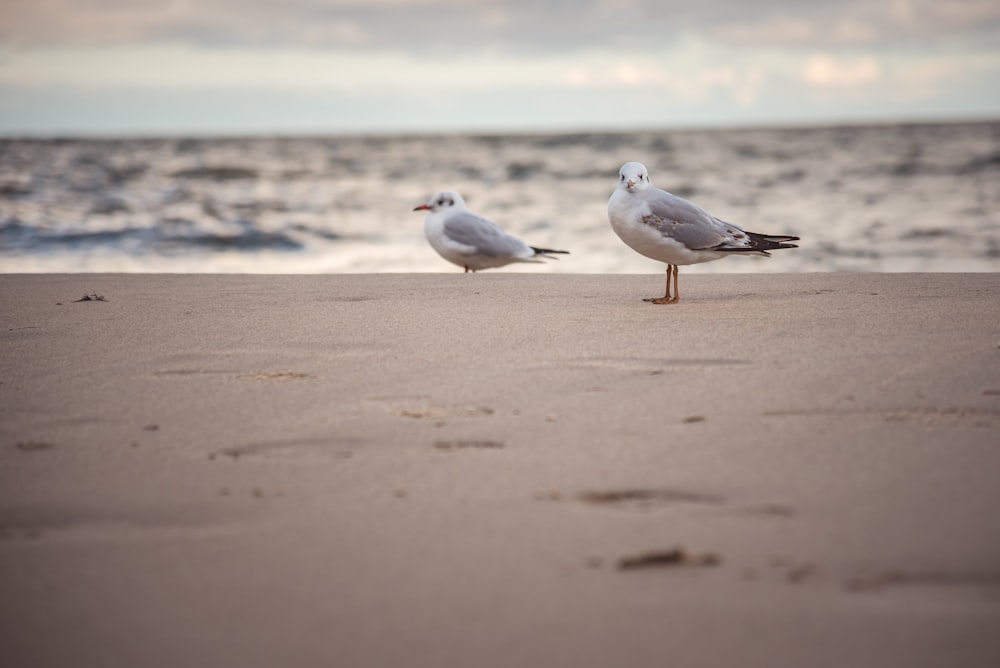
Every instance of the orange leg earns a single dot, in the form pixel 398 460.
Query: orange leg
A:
pixel 667 298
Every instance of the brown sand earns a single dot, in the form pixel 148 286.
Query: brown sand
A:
pixel 500 470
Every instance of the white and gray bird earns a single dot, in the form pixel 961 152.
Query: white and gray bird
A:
pixel 670 229
pixel 471 241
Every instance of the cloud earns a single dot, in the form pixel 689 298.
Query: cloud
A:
pixel 687 73
pixel 861 23
pixel 826 71
pixel 450 25
pixel 787 31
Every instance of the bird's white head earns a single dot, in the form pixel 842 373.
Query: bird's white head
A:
pixel 633 177
pixel 443 201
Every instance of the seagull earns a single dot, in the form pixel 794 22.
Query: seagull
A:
pixel 470 241
pixel 667 228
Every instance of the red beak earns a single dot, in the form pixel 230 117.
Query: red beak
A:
pixel 422 207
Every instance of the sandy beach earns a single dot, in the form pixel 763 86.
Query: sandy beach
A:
pixel 499 469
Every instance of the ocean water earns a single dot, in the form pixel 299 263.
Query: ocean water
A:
pixel 913 197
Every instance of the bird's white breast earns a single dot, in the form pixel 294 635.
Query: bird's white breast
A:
pixel 446 247
pixel 626 211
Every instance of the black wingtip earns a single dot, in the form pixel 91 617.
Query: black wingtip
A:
pixel 760 243
pixel 543 251
pixel 766 242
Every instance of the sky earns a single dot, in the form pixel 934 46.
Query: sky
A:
pixel 127 67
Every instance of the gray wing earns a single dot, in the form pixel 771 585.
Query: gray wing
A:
pixel 484 235
pixel 691 225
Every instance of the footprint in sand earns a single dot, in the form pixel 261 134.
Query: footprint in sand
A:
pixel 986 583
pixel 647 364
pixel 651 499
pixel 676 557
pixel 423 407
pixel 645 499
pixel 17 524
pixel 309 450
pixel 984 418
pixel 274 375
pixel 34 446
pixel 448 446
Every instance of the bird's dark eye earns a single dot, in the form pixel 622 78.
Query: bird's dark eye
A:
pixel 623 177
pixel 451 202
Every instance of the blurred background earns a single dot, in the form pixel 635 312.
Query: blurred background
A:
pixel 257 136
